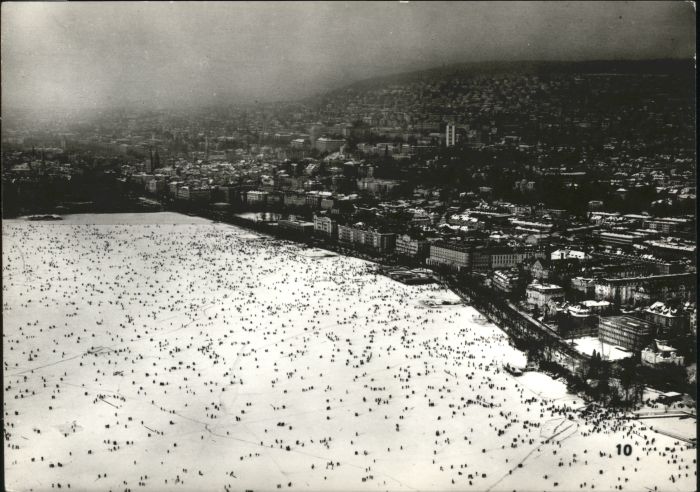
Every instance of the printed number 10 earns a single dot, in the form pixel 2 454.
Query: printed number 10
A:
pixel 626 449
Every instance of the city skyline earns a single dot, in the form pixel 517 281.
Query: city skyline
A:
pixel 349 246
pixel 77 57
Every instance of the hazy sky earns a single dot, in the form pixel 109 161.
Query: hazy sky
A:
pixel 84 55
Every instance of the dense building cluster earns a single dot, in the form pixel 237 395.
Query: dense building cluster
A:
pixel 555 185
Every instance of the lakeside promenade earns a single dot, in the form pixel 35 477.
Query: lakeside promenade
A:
pixel 513 321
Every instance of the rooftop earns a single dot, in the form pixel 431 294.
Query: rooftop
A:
pixel 543 287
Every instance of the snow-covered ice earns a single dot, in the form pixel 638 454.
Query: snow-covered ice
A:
pixel 586 345
pixel 166 352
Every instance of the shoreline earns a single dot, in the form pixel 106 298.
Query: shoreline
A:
pixel 565 367
pixel 265 338
pixel 570 358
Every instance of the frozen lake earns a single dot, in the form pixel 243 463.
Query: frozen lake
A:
pixel 166 352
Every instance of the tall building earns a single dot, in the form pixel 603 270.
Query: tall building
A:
pixel 155 160
pixel 314 133
pixel 149 162
pixel 625 331
pixel 450 135
pixel 325 225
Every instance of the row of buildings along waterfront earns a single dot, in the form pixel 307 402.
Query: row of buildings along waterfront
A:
pixel 621 312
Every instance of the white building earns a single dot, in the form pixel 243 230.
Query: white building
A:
pixel 540 294
pixel 450 135
pixel 325 225
pixel 298 143
pixel 569 254
pixel 186 193
pixel 407 246
pixel 183 193
pixel 505 280
pixel 597 307
pixel 375 240
pixel 452 255
pixel 660 353
pixel 324 144
pixel 156 186
pixel 255 197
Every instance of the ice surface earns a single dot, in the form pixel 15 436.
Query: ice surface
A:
pixel 586 345
pixel 165 352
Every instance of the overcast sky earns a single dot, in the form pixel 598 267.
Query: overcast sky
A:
pixel 85 55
